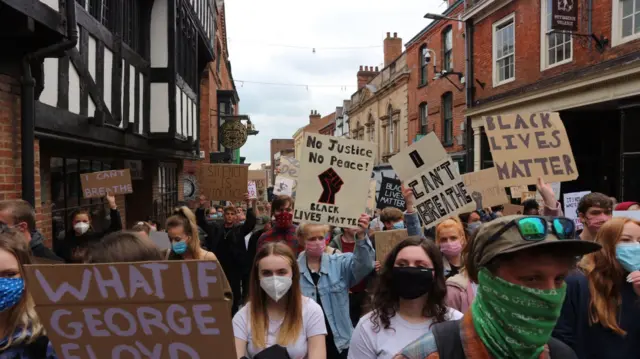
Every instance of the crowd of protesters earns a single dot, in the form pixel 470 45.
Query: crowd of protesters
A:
pixel 478 285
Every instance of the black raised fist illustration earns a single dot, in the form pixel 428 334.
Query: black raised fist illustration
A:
pixel 477 197
pixel 331 184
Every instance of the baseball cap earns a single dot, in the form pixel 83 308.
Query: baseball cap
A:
pixel 486 247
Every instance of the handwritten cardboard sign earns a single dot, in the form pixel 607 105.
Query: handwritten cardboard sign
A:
pixel 527 195
pixel 223 182
pixel 289 167
pixel 252 190
pixel 260 179
pixel 167 309
pixel 333 181
pixel 98 184
pixel 427 150
pixel 390 194
pixel 283 186
pixel 486 183
pixel 371 198
pixel 526 146
pixel 386 240
pixel 511 209
pixel 571 201
pixel 516 191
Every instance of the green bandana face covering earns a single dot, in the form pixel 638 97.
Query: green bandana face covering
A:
pixel 514 321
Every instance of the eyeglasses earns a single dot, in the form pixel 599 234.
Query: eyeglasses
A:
pixel 535 229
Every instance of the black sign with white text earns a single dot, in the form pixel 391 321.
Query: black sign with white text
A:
pixel 390 194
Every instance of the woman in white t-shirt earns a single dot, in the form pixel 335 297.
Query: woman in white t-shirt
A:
pixel 407 301
pixel 276 312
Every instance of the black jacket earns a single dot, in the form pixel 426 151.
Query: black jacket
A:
pixel 39 250
pixel 66 248
pixel 228 243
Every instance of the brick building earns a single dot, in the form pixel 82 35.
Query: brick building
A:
pixel 115 96
pixel 520 64
pixel 278 145
pixel 316 122
pixel 378 109
pixel 436 97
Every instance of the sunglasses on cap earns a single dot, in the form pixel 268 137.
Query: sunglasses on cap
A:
pixel 535 229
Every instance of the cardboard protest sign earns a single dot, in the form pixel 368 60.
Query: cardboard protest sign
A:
pixel 485 182
pixel 516 191
pixel 260 179
pixel 252 190
pixel 390 194
pixel 167 309
pixel 283 186
pixel 98 184
pixel 333 181
pixel 386 240
pixel 527 195
pixel 371 198
pixel 571 201
pixel 223 182
pixel 510 209
pixel 526 146
pixel 289 167
pixel 427 150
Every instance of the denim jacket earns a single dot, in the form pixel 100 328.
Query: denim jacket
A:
pixel 412 223
pixel 338 273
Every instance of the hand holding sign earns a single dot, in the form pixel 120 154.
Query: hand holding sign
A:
pixel 363 225
pixel 546 191
pixel 111 199
pixel 331 184
pixel 407 193
pixel 477 197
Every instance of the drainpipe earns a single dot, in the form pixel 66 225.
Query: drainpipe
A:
pixel 28 100
pixel 468 49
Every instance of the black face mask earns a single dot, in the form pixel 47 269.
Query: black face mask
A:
pixel 412 282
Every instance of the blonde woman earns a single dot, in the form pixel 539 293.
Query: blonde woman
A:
pixel 450 238
pixel 277 313
pixel 21 334
pixel 310 230
pixel 601 315
pixel 183 234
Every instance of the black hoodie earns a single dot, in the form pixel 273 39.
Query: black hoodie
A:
pixel 65 249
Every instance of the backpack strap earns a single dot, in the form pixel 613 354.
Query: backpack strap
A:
pixel 447 337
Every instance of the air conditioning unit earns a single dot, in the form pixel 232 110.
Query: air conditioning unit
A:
pixel 201 154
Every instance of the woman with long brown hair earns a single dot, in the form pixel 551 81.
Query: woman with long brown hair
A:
pixel 277 313
pixel 601 313
pixel 21 333
pixel 408 299
pixel 183 234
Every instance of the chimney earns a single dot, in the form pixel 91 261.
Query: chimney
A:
pixel 314 117
pixel 366 74
pixel 392 48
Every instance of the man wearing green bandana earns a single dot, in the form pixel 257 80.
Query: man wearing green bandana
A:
pixel 518 265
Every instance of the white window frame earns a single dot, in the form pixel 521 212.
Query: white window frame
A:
pixel 509 18
pixel 544 40
pixel 616 26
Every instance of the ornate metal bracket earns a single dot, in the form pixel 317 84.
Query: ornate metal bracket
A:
pixel 584 39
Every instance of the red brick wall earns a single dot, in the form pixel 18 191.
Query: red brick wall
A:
pixel 527 56
pixel 10 153
pixel 433 91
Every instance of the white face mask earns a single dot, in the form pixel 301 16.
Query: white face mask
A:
pixel 81 227
pixel 276 286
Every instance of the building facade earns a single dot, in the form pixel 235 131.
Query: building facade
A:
pixel 278 145
pixel 316 122
pixel 90 85
pixel 342 120
pixel 436 96
pixel 378 109
pixel 591 76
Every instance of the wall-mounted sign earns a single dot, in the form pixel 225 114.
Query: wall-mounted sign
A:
pixel 564 15
pixel 233 134
pixel 190 187
pixel 135 166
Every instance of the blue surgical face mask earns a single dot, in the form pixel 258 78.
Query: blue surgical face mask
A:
pixel 179 247
pixel 628 255
pixel 11 290
pixel 398 225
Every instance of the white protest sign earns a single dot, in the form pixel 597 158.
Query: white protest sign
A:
pixel 283 186
pixel 165 309
pixel 571 201
pixel 427 150
pixel 334 180
pixel 252 190
pixel 635 215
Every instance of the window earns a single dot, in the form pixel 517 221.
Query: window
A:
pixel 391 129
pixel 423 65
pixel 131 25
pixel 372 128
pixel 557 46
pixel 625 21
pixel 66 194
pixel 447 49
pixel 447 119
pixel 186 47
pixel 423 115
pixel 504 51
pixel 167 192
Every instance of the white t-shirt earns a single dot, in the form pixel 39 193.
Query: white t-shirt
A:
pixel 367 344
pixel 312 324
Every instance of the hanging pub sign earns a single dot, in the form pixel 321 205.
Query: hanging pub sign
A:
pixel 233 134
pixel 564 15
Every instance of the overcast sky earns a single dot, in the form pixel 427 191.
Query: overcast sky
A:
pixel 256 27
